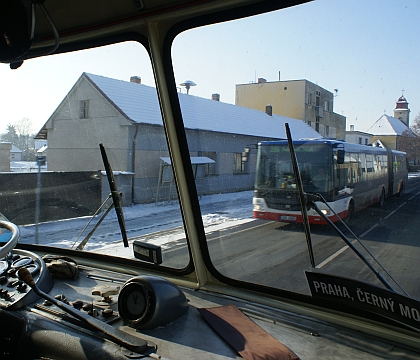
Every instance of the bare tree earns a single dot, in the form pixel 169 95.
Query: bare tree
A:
pixel 21 135
pixel 24 127
pixel 409 141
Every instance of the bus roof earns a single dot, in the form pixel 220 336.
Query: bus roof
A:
pixel 335 144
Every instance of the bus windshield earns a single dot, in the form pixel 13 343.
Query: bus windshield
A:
pixel 274 167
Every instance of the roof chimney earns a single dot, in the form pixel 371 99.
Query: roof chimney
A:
pixel 135 79
pixel 215 97
pixel 269 109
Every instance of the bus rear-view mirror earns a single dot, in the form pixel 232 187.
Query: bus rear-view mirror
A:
pixel 340 156
pixel 14 27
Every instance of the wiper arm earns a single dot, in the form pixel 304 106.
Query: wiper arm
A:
pixel 115 194
pixel 317 197
pixel 301 194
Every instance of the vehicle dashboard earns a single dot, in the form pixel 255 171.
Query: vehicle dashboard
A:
pixel 38 329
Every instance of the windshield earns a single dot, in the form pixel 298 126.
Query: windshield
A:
pixel 274 168
pixel 328 69
pixel 57 111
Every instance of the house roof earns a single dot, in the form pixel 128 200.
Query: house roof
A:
pixel 140 104
pixel 388 125
pixel 15 149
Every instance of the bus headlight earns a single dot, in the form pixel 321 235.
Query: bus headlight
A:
pixel 326 211
pixel 258 204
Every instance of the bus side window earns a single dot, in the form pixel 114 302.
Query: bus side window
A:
pixel 362 167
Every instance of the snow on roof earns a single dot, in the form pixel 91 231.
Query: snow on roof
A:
pixel 388 125
pixel 195 160
pixel 15 149
pixel 140 104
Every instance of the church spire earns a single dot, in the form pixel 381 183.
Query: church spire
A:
pixel 402 111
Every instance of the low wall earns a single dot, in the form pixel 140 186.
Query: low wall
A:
pixel 63 195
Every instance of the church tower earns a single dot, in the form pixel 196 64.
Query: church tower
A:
pixel 402 111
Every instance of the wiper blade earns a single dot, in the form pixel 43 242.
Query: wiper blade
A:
pixel 301 195
pixel 115 194
pixel 319 197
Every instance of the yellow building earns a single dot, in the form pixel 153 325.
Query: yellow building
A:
pixel 298 99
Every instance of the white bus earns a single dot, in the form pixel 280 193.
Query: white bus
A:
pixel 349 177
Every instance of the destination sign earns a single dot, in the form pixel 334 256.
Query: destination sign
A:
pixel 302 148
pixel 365 296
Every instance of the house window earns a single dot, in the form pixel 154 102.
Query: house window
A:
pixel 327 130
pixel 84 109
pixel 366 141
pixel 309 98
pixel 360 140
pixel 317 124
pixel 239 166
pixel 210 169
pixel 326 105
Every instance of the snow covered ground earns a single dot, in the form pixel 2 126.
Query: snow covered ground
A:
pixel 159 224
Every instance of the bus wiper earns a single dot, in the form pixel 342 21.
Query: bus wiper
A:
pixel 115 194
pixel 301 195
pixel 116 204
pixel 318 197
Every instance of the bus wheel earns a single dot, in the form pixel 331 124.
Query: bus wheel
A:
pixel 382 199
pixel 350 213
pixel 400 191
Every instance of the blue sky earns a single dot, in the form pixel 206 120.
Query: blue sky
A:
pixel 368 50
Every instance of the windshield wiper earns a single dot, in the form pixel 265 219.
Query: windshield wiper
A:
pixel 116 204
pixel 115 194
pixel 312 204
pixel 301 195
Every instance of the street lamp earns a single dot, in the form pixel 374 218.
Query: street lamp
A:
pixel 188 84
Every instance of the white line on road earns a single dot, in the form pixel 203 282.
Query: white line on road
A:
pixel 413 196
pixel 368 231
pixel 344 248
pixel 333 256
pixel 392 212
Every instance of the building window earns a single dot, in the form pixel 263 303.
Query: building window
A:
pixel 326 105
pixel 360 140
pixel 84 109
pixel 309 99
pixel 317 124
pixel 239 166
pixel 366 141
pixel 327 130
pixel 285 88
pixel 210 168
